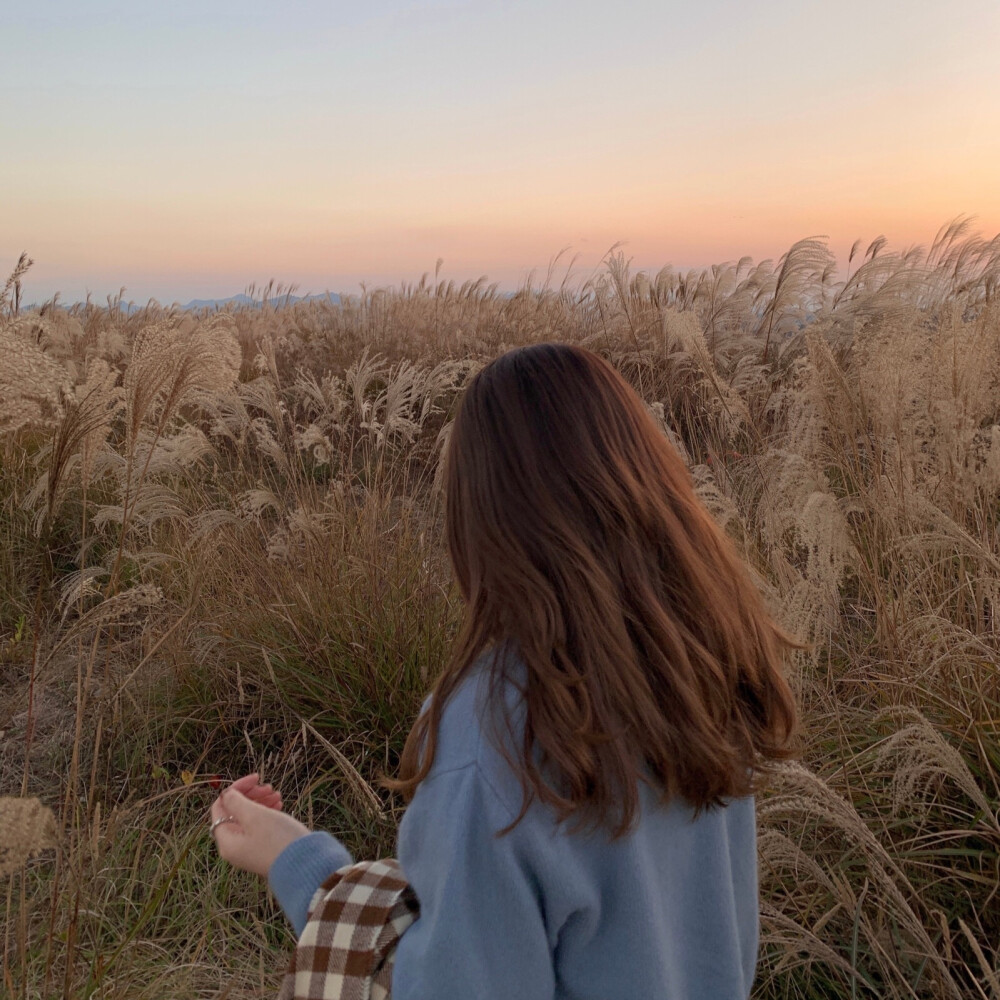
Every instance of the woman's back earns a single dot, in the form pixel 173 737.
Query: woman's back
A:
pixel 667 911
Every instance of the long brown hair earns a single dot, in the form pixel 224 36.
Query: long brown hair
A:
pixel 576 535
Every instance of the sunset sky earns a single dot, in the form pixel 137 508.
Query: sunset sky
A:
pixel 187 149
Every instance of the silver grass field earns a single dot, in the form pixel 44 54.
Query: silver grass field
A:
pixel 221 551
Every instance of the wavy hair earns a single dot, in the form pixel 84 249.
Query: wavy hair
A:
pixel 575 533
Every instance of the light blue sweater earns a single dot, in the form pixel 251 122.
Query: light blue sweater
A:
pixel 667 913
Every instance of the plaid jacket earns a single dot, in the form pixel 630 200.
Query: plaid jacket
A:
pixel 347 948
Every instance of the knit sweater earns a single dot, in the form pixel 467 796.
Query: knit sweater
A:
pixel 670 911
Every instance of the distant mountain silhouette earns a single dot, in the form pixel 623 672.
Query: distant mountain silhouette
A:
pixel 242 300
pixel 245 300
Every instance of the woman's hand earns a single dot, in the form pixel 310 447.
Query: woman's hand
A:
pixel 250 786
pixel 258 831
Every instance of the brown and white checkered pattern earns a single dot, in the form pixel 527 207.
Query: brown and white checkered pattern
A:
pixel 347 948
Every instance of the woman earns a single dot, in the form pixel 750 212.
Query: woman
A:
pixel 582 776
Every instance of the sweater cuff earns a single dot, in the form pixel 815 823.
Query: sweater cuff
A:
pixel 300 869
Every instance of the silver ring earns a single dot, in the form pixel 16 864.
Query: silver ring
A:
pixel 221 819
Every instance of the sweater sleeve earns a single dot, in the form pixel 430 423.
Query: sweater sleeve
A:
pixel 481 930
pixel 300 869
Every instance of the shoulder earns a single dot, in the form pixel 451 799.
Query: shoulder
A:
pixel 486 708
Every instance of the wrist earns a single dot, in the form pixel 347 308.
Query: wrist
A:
pixel 282 844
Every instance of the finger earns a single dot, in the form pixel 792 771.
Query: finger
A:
pixel 227 835
pixel 218 810
pixel 230 835
pixel 264 795
pixel 247 782
pixel 221 810
pixel 272 800
pixel 239 805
